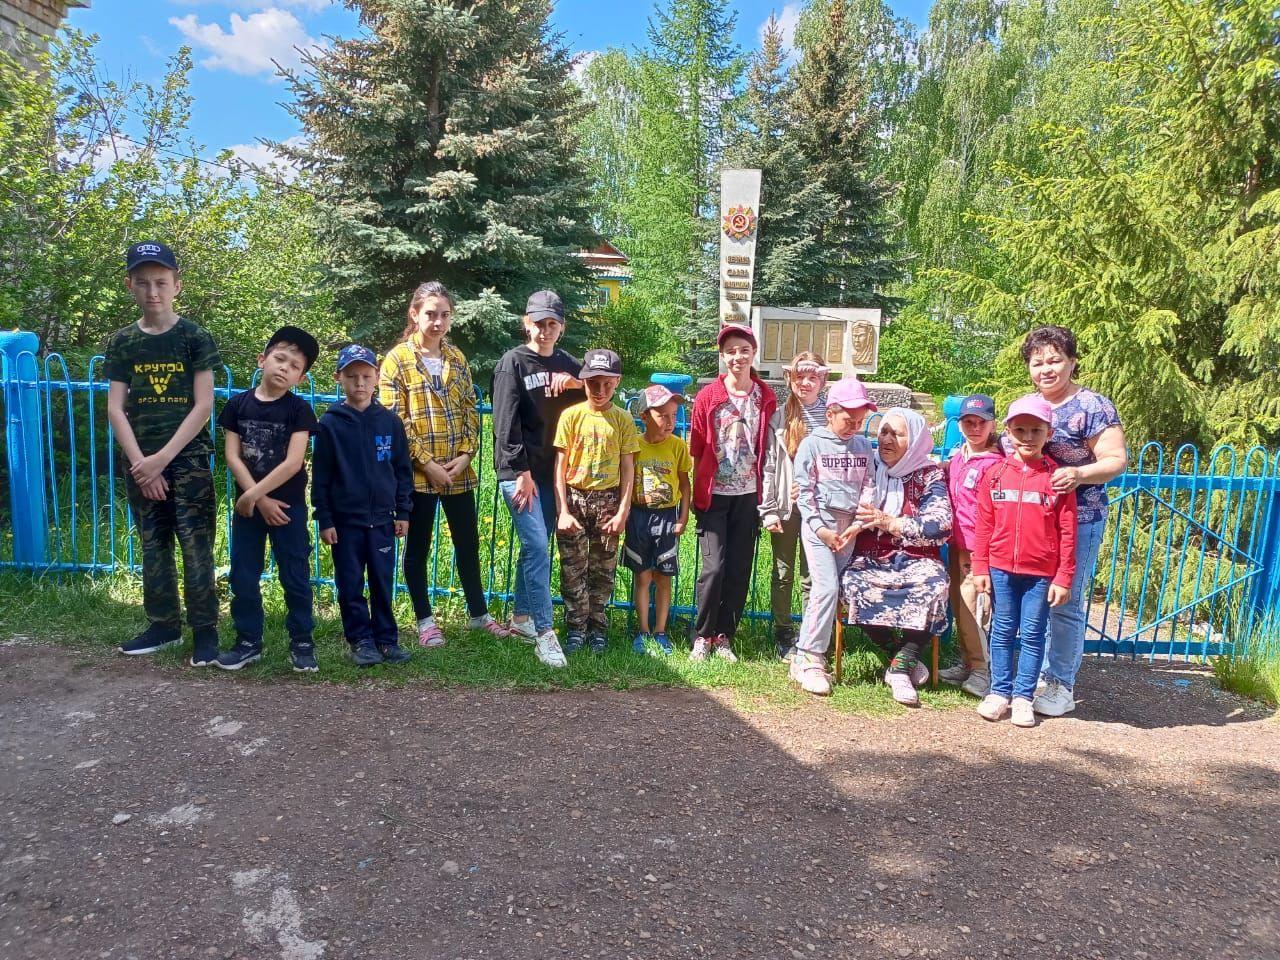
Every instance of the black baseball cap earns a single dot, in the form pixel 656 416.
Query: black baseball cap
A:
pixel 148 251
pixel 299 338
pixel 978 405
pixel 600 363
pixel 545 305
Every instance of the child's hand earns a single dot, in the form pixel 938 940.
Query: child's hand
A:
pixel 775 527
pixel 830 538
pixel 678 527
pixel 148 470
pixel 402 528
pixel 274 511
pixel 568 523
pixel 983 583
pixel 437 475
pixel 458 466
pixel 1058 595
pixel 615 524
pixel 157 489
pixel 245 504
pixel 329 535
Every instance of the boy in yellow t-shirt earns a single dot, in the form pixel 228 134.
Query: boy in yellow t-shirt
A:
pixel 659 513
pixel 595 446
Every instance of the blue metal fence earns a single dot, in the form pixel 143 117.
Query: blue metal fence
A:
pixel 1190 564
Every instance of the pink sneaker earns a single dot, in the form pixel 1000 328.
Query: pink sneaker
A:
pixel 431 636
pixel 903 690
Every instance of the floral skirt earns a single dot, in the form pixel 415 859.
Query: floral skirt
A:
pixel 897 591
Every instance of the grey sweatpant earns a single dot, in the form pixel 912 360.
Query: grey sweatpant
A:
pixel 824 591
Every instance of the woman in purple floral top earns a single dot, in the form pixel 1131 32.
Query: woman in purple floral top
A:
pixel 1088 442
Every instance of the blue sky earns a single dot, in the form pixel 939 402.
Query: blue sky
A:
pixel 237 97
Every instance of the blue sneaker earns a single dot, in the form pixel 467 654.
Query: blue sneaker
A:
pixel 365 654
pixel 638 644
pixel 241 655
pixel 597 643
pixel 661 640
pixel 573 641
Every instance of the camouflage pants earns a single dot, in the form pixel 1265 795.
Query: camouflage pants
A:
pixel 588 561
pixel 187 513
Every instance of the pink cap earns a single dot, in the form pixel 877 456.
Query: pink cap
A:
pixel 736 330
pixel 850 394
pixel 1032 405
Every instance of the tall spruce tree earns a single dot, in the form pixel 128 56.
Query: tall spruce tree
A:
pixel 440 144
pixel 832 124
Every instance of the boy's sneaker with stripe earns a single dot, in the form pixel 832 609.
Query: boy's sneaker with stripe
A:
pixel 154 638
pixel 204 647
pixel 303 655
pixel 241 655
pixel 597 642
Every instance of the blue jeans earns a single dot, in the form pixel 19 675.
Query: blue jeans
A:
pixel 1019 618
pixel 362 550
pixel 1067 622
pixel 291 548
pixel 534 528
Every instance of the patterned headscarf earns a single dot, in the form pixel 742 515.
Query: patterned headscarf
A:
pixel 889 495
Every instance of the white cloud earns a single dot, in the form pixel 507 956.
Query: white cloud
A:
pixel 788 20
pixel 311 6
pixel 262 157
pixel 581 60
pixel 254 43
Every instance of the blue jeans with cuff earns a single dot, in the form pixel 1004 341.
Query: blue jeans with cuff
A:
pixel 1020 616
pixel 534 528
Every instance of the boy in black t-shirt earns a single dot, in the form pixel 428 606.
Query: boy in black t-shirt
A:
pixel 267 430
pixel 159 400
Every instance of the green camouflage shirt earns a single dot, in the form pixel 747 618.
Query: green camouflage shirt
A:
pixel 160 370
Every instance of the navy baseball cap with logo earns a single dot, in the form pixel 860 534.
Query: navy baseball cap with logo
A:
pixel 544 305
pixel 356 354
pixel 148 251
pixel 601 363
pixel 978 405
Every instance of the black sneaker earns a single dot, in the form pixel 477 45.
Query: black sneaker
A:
pixel 394 653
pixel 303 654
pixel 597 642
pixel 365 654
pixel 204 648
pixel 154 638
pixel 242 654
pixel 785 646
pixel 573 641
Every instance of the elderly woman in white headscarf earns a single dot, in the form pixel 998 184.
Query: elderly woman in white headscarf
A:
pixel 896 580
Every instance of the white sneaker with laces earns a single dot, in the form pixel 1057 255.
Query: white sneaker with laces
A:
pixel 523 630
pixel 1056 701
pixel 1023 714
pixel 547 649
pixel 954 676
pixel 701 647
pixel 723 651
pixel 977 684
pixel 993 707
pixel 811 673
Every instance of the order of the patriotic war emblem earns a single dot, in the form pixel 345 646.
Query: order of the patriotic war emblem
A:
pixel 739 222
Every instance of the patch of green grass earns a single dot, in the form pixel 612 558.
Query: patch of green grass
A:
pixel 101 612
pixel 1254 674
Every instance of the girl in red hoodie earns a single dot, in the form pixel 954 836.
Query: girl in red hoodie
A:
pixel 1024 546
pixel 728 440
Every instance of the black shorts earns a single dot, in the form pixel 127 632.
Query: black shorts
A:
pixel 651 542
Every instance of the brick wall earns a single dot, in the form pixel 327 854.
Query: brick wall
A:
pixel 36 18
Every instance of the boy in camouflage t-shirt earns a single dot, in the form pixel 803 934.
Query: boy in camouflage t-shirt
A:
pixel 159 401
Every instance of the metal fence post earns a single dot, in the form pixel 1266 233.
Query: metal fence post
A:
pixel 1264 597
pixel 28 507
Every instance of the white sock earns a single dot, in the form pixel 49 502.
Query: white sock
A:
pixel 475 623
pixel 426 622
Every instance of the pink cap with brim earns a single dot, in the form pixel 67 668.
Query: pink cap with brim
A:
pixel 736 330
pixel 1032 405
pixel 850 394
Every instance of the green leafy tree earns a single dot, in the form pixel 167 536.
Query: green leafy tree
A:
pixel 441 146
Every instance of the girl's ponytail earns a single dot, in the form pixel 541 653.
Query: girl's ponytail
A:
pixel 794 427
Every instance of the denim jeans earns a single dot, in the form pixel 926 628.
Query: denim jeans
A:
pixel 1019 618
pixel 1067 622
pixel 534 528
pixel 291 548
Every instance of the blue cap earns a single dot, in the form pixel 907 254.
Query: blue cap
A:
pixel 148 251
pixel 356 354
pixel 978 405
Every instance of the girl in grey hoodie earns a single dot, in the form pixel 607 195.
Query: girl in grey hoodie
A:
pixel 834 470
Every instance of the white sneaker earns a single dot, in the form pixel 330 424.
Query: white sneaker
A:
pixel 954 676
pixel 701 647
pixel 547 649
pixel 1023 714
pixel 993 707
pixel 523 630
pixel 723 651
pixel 977 684
pixel 1056 701
pixel 811 673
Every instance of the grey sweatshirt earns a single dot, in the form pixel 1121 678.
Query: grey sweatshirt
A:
pixel 831 475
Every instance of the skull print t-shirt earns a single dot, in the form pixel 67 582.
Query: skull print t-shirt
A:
pixel 265 428
pixel 160 370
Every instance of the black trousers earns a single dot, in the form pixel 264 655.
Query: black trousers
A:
pixel 360 550
pixel 464 529
pixel 727 532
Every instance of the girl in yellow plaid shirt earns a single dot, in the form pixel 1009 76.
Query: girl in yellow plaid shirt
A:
pixel 426 380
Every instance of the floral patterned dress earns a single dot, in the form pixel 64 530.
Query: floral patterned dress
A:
pixel 900 581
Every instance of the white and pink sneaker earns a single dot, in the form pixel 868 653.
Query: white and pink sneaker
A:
pixel 431 636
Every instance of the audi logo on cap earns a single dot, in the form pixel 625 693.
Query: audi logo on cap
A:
pixel 147 248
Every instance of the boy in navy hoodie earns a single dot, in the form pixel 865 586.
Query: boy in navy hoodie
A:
pixel 362 490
